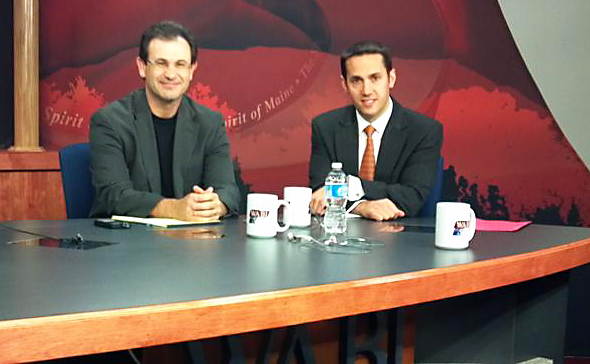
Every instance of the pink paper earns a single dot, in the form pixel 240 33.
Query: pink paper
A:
pixel 500 225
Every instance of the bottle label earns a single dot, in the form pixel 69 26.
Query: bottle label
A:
pixel 336 190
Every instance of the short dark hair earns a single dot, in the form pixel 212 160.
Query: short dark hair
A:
pixel 166 30
pixel 365 47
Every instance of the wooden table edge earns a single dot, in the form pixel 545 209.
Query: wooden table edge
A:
pixel 57 336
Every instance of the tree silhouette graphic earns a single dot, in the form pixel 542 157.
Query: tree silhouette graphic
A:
pixel 494 206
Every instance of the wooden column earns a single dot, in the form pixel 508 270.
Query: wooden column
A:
pixel 26 76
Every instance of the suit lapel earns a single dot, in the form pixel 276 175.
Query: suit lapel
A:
pixel 147 141
pixel 392 144
pixel 346 142
pixel 184 141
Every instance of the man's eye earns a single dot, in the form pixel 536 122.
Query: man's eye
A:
pixel 161 63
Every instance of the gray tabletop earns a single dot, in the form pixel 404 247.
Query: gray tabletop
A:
pixel 150 266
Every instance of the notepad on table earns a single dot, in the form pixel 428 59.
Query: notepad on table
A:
pixel 161 222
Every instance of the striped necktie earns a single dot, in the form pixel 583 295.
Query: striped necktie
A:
pixel 367 170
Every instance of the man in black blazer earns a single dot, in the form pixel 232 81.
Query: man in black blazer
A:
pixel 156 152
pixel 406 144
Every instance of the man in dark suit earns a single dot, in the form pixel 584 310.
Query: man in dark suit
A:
pixel 389 152
pixel 156 152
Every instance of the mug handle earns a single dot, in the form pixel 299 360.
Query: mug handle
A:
pixel 472 221
pixel 286 219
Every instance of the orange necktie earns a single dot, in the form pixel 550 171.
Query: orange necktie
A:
pixel 367 170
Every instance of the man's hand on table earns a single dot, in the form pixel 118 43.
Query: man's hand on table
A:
pixel 318 202
pixel 378 210
pixel 198 206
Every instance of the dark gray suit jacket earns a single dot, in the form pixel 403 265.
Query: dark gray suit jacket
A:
pixel 124 157
pixel 407 161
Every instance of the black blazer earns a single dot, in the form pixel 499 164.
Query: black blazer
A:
pixel 124 157
pixel 407 161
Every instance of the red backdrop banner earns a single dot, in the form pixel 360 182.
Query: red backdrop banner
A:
pixel 269 66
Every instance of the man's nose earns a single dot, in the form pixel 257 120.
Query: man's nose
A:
pixel 367 89
pixel 170 72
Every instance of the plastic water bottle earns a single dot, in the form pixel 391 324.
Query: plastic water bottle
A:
pixel 336 188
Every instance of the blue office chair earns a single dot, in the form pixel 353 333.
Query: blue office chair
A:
pixel 429 207
pixel 74 163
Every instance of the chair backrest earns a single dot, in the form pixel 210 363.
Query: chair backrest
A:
pixel 429 207
pixel 74 163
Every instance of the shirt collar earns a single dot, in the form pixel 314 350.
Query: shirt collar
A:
pixel 380 123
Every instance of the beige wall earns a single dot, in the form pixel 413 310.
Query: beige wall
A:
pixel 552 37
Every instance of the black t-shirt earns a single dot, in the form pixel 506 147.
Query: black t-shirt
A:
pixel 164 129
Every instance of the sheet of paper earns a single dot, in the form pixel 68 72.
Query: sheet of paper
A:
pixel 161 222
pixel 500 225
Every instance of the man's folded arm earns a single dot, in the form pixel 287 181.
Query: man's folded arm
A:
pixel 417 178
pixel 218 170
pixel 320 162
pixel 114 192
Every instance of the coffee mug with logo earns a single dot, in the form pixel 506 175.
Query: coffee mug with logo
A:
pixel 262 215
pixel 298 198
pixel 455 225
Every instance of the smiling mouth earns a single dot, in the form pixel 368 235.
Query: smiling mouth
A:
pixel 169 85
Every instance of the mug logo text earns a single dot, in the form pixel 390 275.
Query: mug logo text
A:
pixel 254 214
pixel 459 227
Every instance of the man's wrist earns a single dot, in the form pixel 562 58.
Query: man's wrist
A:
pixel 164 208
pixel 354 206
pixel 355 188
pixel 224 211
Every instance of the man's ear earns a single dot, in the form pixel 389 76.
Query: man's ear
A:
pixel 343 83
pixel 193 69
pixel 392 78
pixel 140 67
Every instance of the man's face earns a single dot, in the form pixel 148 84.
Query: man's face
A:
pixel 368 84
pixel 168 70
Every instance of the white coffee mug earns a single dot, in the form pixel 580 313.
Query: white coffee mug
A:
pixel 455 225
pixel 262 215
pixel 298 198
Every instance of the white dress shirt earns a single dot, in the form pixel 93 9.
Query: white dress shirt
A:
pixel 355 187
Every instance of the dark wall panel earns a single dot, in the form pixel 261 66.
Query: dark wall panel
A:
pixel 6 75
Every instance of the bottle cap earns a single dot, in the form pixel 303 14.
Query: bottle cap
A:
pixel 336 164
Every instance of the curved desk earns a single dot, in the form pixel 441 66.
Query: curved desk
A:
pixel 156 287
